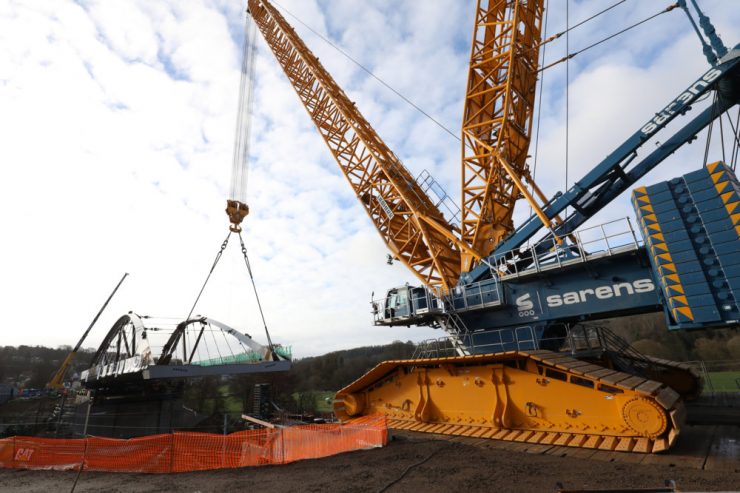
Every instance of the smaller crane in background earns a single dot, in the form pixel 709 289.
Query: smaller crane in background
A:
pixel 57 381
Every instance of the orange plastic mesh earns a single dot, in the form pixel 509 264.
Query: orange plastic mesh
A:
pixel 182 452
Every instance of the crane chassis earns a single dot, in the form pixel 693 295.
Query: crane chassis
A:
pixel 526 359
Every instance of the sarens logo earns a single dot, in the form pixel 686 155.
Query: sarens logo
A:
pixel 600 293
pixel 524 302
pixel 678 104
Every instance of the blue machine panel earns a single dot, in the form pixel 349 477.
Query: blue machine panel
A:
pixel 691 227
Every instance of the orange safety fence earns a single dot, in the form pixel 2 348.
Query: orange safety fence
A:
pixel 185 451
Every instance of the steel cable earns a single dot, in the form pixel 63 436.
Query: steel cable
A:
pixel 254 286
pixel 417 464
pixel 240 164
pixel 571 55
pixel 371 74
pixel 215 262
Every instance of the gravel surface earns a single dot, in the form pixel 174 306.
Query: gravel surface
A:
pixel 406 464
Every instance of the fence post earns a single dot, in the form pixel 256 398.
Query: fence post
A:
pixel 223 441
pixel 172 450
pixel 282 443
pixel 87 417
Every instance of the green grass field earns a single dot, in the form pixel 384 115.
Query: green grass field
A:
pixel 723 381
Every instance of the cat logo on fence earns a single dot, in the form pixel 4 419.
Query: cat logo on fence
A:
pixel 24 454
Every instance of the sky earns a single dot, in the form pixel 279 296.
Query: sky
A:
pixel 117 130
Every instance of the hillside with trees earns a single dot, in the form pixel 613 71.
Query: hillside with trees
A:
pixel 33 366
pixel 306 386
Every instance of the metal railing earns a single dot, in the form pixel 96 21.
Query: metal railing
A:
pixel 596 241
pixel 511 339
pixel 438 195
pixel 440 347
pixel 422 302
pixel 720 377
pixel 477 295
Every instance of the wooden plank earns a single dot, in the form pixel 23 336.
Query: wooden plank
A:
pixel 518 447
pixel 586 370
pixel 648 388
pixel 689 451
pixel 632 382
pixel 670 460
pixel 497 444
pixel 603 456
pixel 625 457
pixel 560 359
pixel 257 421
pixel 605 372
pixel 477 442
pixel 579 453
pixel 572 364
pixel 724 453
pixel 557 451
pixel 616 378
pixel 538 449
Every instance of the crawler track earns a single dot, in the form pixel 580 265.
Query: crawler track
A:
pixel 536 397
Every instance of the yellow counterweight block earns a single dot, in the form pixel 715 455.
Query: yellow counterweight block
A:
pixel 536 397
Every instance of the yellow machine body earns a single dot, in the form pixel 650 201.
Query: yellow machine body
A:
pixel 535 397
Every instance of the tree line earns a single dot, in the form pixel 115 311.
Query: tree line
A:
pixel 34 366
pixel 299 389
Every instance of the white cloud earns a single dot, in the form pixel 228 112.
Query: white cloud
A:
pixel 117 123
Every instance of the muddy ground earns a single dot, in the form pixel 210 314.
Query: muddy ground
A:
pixel 407 464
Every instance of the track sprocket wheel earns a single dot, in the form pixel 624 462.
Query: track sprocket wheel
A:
pixel 645 417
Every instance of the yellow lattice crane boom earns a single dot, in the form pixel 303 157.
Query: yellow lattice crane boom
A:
pixel 496 132
pixel 497 121
pixel 412 226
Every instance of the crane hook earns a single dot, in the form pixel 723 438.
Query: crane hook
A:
pixel 236 211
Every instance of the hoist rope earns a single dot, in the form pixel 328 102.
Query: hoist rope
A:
pixel 710 128
pixel 567 93
pixel 240 163
pixel 539 103
pixel 735 138
pixel 571 55
pixel 208 277
pixel 370 73
pixel 251 277
pixel 736 134
pixel 568 29
pixel 259 304
pixel 722 139
pixel 539 106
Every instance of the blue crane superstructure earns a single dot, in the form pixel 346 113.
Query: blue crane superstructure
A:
pixel 526 358
pixel 517 296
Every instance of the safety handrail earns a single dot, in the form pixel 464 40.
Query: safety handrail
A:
pixel 585 247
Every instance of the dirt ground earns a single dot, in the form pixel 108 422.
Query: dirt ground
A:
pixel 406 464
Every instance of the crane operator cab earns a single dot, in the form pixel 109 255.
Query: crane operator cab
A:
pixel 406 305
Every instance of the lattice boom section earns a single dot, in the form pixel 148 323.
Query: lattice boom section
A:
pixel 498 116
pixel 392 198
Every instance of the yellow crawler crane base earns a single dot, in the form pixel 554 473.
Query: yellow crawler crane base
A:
pixel 534 397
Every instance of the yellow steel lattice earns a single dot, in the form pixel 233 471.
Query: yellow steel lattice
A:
pixel 497 120
pixel 411 225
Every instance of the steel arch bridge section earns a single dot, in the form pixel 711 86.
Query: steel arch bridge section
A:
pixel 124 350
pixel 127 352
